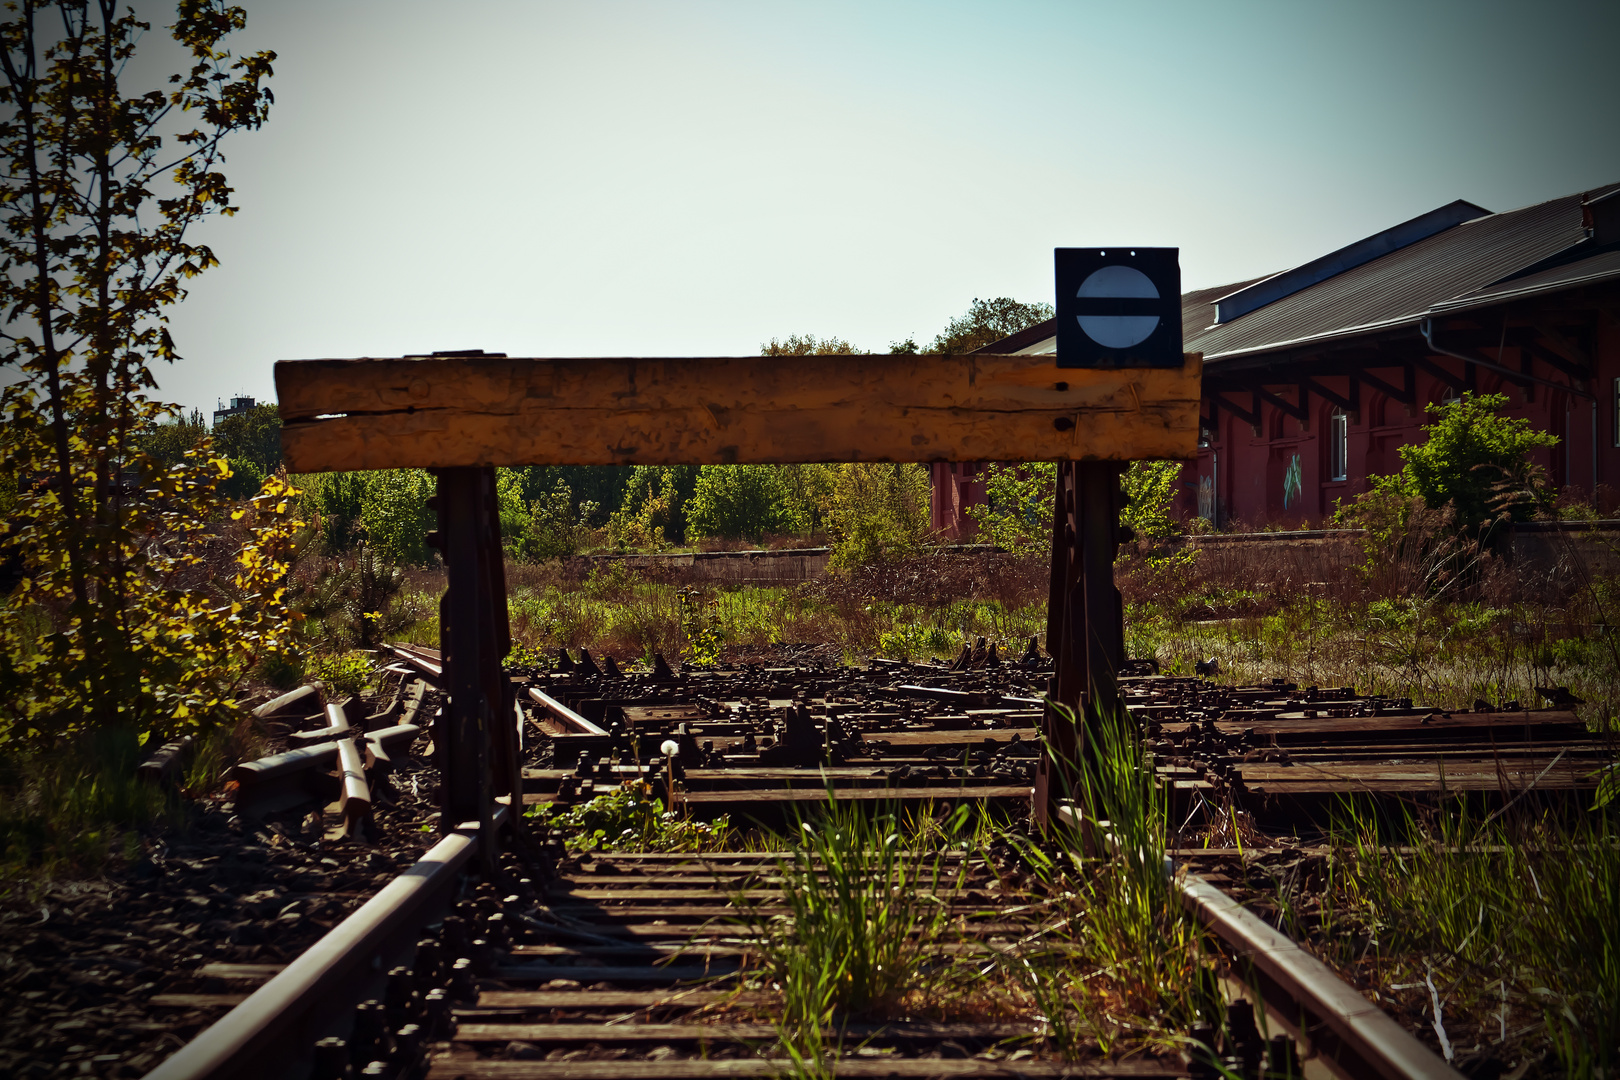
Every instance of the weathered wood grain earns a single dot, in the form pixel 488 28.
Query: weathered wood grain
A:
pixel 467 411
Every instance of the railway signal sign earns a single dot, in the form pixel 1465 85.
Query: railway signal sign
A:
pixel 1118 307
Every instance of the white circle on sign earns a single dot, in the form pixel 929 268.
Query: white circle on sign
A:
pixel 1118 331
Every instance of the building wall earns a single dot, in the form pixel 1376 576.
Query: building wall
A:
pixel 954 487
pixel 1249 473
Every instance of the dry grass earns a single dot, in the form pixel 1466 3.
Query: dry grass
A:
pixel 1415 615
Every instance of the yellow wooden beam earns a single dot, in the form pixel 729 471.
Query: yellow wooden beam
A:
pixel 486 410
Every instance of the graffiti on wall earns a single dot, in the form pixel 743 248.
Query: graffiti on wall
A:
pixel 1292 483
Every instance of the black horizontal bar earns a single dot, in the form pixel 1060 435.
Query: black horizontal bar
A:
pixel 1118 305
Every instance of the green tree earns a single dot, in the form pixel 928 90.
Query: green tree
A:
pixel 1475 460
pixel 1017 513
pixel 331 502
pixel 395 517
pixel 170 442
pixel 254 435
pixel 878 511
pixel 97 204
pixel 599 490
pixel 556 529
pixel 738 502
pixel 655 500
pixel 986 321
pixel 809 345
pixel 807 492
pixel 1150 492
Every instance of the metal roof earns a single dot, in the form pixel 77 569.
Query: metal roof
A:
pixel 1604 266
pixel 1270 290
pixel 1403 286
pixel 1467 265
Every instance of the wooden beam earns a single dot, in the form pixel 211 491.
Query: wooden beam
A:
pixel 1453 381
pixel 1248 417
pixel 1567 350
pixel 449 412
pixel 1351 404
pixel 1555 360
pixel 1404 397
pixel 1298 412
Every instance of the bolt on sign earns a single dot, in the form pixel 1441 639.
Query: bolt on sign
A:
pixel 1118 308
pixel 482 409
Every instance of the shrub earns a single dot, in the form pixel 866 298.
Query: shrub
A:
pixel 1150 489
pixel 654 512
pixel 878 512
pixel 395 514
pixel 253 436
pixel 1017 516
pixel 554 529
pixel 738 502
pixel 244 481
pixel 332 503
pixel 1476 461
pixel 343 673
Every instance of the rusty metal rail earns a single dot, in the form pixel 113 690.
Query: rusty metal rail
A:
pixel 1348 1034
pixel 273 1033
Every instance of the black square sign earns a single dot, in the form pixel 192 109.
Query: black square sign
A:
pixel 1118 307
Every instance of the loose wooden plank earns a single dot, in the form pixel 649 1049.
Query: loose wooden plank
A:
pixel 486 410
pixel 953 790
pixel 615 1033
pixel 902 1068
pixel 1513 772
pixel 611 999
pixel 1538 723
pixel 245 972
pixel 620 912
pixel 683 952
pixel 633 893
pixel 621 1033
pixel 642 974
pixel 965 737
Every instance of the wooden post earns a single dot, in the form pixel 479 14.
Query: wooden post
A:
pixel 463 745
pixel 1085 622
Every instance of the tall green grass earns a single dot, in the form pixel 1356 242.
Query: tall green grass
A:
pixel 865 910
pixel 69 809
pixel 1125 961
pixel 1515 919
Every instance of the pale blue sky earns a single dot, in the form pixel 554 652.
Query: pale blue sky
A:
pixel 617 178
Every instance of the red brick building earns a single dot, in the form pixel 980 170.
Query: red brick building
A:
pixel 1313 377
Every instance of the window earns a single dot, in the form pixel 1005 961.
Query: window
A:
pixel 1338 445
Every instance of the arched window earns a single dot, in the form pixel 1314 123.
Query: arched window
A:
pixel 1375 411
pixel 1338 445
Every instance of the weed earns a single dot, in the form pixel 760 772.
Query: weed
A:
pixel 68 809
pixel 629 818
pixel 342 673
pixel 864 910
pixel 1514 919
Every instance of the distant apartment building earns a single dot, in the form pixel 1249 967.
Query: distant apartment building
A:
pixel 237 406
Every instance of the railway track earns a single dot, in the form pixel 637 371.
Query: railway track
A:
pixel 539 961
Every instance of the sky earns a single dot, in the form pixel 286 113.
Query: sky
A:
pixel 618 178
